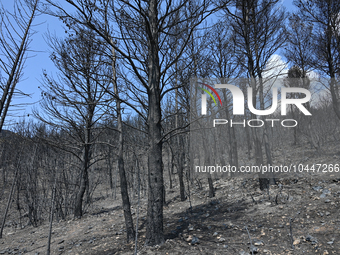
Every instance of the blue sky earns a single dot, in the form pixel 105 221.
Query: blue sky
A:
pixel 39 60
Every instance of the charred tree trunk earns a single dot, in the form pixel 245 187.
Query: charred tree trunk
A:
pixel 271 179
pixel 233 154
pixel 9 201
pixel 249 144
pixel 170 166
pixel 154 227
pixel 154 232
pixel 84 183
pixel 211 187
pixel 51 217
pixel 180 175
pixel 78 209
pixel 130 232
pixel 180 149
pixel 109 165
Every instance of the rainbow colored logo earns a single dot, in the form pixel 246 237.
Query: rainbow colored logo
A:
pixel 213 90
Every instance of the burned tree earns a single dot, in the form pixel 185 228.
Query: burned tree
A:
pixel 76 101
pixel 143 31
pixel 15 36
pixel 258 33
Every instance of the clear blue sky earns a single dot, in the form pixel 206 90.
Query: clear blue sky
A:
pixel 39 60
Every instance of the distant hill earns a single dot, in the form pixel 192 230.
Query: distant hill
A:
pixel 6 133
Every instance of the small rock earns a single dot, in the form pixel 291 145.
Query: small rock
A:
pixel 215 234
pixel 296 242
pixel 327 213
pixel 195 240
pixel 190 228
pixel 221 239
pixel 253 249
pixel 214 202
pixel 189 238
pixel 326 191
pixel 330 242
pixel 327 201
pixel 225 246
pixel 311 239
pixel 258 242
pixel 317 188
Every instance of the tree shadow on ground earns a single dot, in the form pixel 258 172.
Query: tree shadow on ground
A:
pixel 207 217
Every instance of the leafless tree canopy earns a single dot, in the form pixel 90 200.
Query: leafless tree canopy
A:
pixel 118 110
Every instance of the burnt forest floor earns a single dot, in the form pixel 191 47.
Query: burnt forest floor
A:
pixel 298 216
